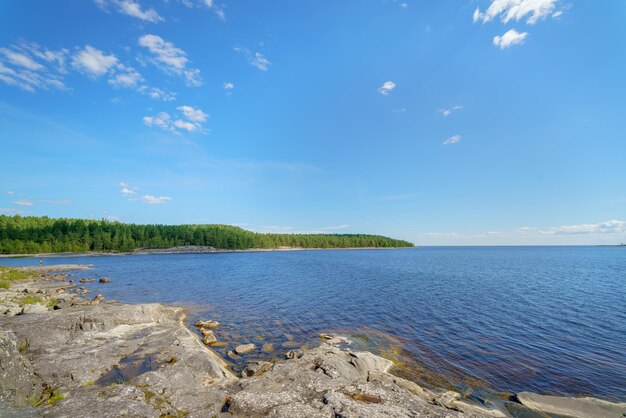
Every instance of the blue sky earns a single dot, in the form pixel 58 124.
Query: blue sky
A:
pixel 441 122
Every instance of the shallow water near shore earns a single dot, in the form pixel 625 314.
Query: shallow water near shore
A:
pixel 481 320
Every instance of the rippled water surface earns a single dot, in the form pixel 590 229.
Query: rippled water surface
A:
pixel 545 319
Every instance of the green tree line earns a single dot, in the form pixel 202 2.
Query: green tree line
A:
pixel 34 234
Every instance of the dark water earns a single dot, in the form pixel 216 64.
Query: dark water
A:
pixel 484 320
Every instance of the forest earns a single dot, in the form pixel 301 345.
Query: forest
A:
pixel 41 234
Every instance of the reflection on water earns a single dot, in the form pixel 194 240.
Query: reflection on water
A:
pixel 506 319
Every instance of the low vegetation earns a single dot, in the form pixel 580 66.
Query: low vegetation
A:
pixel 30 235
pixel 9 275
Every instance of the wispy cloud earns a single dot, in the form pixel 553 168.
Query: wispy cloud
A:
pixel 449 110
pixel 386 88
pixel 510 38
pixel 131 192
pixel 9 192
pixel 218 9
pixel 152 200
pixel 63 202
pixel 192 120
pixel 607 227
pixel 30 67
pixel 23 202
pixel 509 10
pixel 10 211
pixel 228 85
pixel 255 59
pixel 170 59
pixel 452 140
pixel 126 189
pixel 131 8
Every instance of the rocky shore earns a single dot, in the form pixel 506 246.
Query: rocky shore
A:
pixel 65 354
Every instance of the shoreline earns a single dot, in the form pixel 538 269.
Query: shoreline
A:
pixel 370 390
pixel 186 250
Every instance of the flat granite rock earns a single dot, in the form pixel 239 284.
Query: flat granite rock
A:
pixel 572 407
pixel 112 360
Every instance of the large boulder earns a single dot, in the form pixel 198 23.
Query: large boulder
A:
pixel 572 407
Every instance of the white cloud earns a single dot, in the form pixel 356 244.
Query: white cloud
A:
pixel 126 189
pixel 386 88
pixel 452 140
pixel 170 59
pixel 510 38
pixel 257 59
pixel 448 111
pixel 93 61
pixel 132 8
pixel 22 60
pixel 219 10
pixel 557 14
pixel 509 10
pixel 158 94
pixel 194 115
pixel 606 227
pixel 56 202
pixel 183 124
pixel 126 77
pixel 152 200
pixel 228 85
pixel 10 211
pixel 195 119
pixel 404 5
pixel 9 192
pixel 161 120
pixel 23 202
pixel 29 67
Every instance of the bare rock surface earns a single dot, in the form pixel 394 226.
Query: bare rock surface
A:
pixel 572 407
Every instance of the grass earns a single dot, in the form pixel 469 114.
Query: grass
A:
pixel 8 275
pixel 31 300
pixel 52 303
pixel 56 397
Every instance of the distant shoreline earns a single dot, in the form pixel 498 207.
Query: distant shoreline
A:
pixel 184 250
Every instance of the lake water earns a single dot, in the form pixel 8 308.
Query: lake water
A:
pixel 486 320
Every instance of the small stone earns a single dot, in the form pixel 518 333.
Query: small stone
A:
pixel 104 280
pixel 86 280
pixel 256 368
pixel 294 354
pixel 219 344
pixel 232 355
pixel 267 348
pixel 209 339
pixel 98 299
pixel 244 348
pixel 207 324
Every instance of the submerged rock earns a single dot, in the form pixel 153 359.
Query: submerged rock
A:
pixel 207 324
pixel 245 348
pixel 267 347
pixel 104 280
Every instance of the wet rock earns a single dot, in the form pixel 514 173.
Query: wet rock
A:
pixel 294 354
pixel 104 280
pixel 86 280
pixel 256 368
pixel 232 355
pixel 574 407
pixel 34 308
pixel 245 348
pixel 209 338
pixel 98 298
pixel 207 324
pixel 290 344
pixel 267 347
